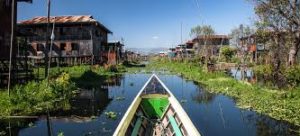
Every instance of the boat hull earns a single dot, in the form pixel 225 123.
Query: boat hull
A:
pixel 155 111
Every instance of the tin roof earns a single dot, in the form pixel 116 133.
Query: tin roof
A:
pixel 189 42
pixel 213 37
pixel 63 20
pixel 30 1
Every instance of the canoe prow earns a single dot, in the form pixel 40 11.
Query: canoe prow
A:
pixel 155 111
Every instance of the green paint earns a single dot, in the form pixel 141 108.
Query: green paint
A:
pixel 175 126
pixel 137 127
pixel 154 107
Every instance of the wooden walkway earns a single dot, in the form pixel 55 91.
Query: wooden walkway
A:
pixel 65 60
pixel 21 71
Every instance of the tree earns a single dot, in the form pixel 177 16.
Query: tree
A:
pixel 227 52
pixel 279 19
pixel 237 33
pixel 203 31
pixel 284 16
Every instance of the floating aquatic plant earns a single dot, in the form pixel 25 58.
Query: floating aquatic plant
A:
pixel 111 115
pixel 278 104
pixel 31 124
pixel 2 133
pixel 183 101
pixel 120 98
pixel 93 117
pixel 60 133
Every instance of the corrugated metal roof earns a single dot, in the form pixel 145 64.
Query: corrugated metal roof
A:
pixel 213 37
pixel 63 19
pixel 59 19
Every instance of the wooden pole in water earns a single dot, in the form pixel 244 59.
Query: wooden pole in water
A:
pixel 12 42
pixel 51 45
pixel 48 123
pixel 46 66
pixel 46 59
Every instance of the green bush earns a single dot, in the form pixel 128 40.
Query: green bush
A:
pixel 34 96
pixel 262 70
pixel 227 52
pixel 292 75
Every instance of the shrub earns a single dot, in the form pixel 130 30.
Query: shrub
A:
pixel 262 70
pixel 227 52
pixel 292 75
pixel 33 96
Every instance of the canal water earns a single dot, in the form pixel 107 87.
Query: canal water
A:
pixel 212 114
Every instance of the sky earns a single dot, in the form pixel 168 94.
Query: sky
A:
pixel 150 23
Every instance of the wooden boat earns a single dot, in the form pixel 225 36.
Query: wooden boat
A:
pixel 155 112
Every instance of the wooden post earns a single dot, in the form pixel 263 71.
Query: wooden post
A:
pixel 12 43
pixel 47 40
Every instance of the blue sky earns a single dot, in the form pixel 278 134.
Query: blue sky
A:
pixel 150 23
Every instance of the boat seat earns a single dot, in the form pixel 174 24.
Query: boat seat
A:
pixel 175 126
pixel 137 126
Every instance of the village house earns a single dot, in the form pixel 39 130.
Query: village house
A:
pixel 78 39
pixel 256 50
pixel 163 54
pixel 112 53
pixel 209 45
pixel 182 50
pixel 190 50
pixel 171 53
pixel 130 55
pixel 20 69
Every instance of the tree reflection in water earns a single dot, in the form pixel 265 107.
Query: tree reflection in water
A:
pixel 266 126
pixel 202 96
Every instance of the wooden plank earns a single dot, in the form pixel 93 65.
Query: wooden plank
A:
pixel 175 126
pixel 137 127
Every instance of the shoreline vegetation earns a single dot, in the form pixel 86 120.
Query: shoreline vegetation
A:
pixel 279 104
pixel 36 97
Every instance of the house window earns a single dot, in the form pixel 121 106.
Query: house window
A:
pixel 97 33
pixel 62 46
pixel 39 47
pixel 62 31
pixel 75 46
pixel 106 48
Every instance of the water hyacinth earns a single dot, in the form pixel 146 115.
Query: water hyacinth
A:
pixel 111 115
pixel 36 96
pixel 278 104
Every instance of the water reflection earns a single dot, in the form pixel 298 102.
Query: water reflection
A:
pixel 203 96
pixel 87 103
pixel 212 114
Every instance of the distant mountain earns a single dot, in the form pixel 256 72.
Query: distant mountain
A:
pixel 146 51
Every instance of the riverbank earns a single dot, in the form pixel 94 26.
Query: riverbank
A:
pixel 278 104
pixel 36 97
pixel 39 96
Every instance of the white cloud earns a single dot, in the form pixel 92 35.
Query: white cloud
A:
pixel 155 37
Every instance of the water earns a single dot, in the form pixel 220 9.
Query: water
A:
pixel 212 114
pixel 237 73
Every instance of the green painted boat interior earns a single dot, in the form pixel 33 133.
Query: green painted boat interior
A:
pixel 154 107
